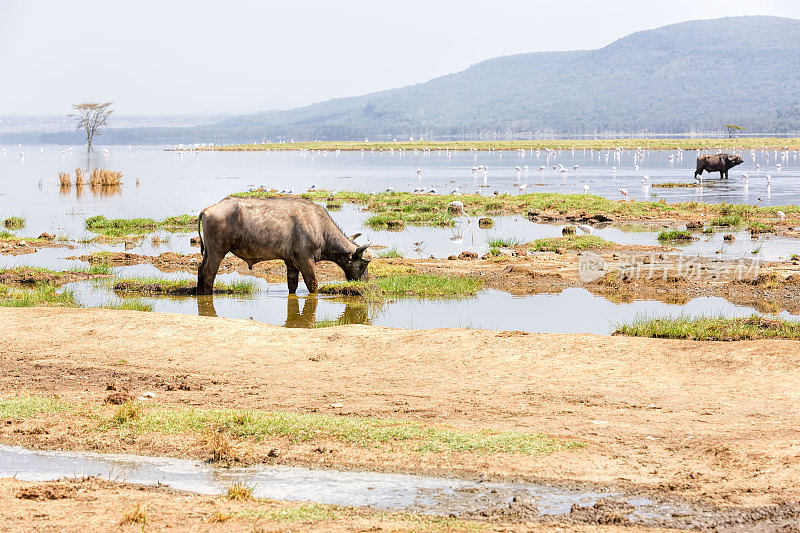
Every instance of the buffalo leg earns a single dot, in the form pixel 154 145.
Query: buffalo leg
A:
pixel 309 275
pixel 292 277
pixel 208 271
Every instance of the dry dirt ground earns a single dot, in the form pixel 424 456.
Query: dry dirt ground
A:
pixel 717 423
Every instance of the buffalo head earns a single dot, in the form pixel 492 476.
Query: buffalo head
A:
pixel 355 267
pixel 734 160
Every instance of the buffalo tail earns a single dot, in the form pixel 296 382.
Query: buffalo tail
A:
pixel 200 233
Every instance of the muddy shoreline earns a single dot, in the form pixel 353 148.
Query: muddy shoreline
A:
pixel 628 274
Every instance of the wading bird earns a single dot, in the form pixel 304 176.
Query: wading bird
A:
pixel 624 194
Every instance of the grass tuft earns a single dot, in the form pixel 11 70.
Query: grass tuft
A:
pixel 238 491
pixel 391 253
pixel 503 242
pixel 14 223
pixel 675 235
pixel 137 515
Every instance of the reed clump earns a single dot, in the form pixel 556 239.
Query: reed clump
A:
pixel 101 177
pixel 64 179
pixel 79 180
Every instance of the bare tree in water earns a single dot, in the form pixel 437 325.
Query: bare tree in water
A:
pixel 91 117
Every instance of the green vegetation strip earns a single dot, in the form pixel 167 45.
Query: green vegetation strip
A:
pixel 712 329
pixel 395 209
pixel 741 143
pixel 300 427
pixel 41 294
pixel 127 226
pixel 675 235
pixel 406 285
pixel 571 242
pixel 28 406
pixel 152 285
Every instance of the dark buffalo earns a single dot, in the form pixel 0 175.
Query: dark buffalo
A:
pixel 721 163
pixel 295 230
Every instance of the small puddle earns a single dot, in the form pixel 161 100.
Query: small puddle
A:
pixel 400 492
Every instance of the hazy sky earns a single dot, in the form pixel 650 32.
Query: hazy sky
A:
pixel 232 56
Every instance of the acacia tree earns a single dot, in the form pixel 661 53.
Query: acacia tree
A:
pixel 733 128
pixel 91 117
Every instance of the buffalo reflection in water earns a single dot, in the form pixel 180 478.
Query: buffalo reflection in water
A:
pixel 354 313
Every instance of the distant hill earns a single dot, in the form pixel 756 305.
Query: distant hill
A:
pixel 694 75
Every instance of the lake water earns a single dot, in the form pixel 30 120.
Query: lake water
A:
pixel 173 183
pixel 158 184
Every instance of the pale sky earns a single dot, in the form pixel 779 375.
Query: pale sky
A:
pixel 177 57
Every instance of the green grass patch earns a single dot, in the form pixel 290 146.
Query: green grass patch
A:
pixel 389 219
pixel 674 235
pixel 759 227
pixel 14 223
pixel 712 329
pixel 391 253
pixel 365 432
pixel 406 285
pixel 153 285
pixel 128 305
pixel 726 221
pixel 118 227
pixel 40 294
pixel 570 242
pixel 503 242
pixel 97 268
pixel 28 406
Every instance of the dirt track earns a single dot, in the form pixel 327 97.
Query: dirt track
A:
pixel 718 421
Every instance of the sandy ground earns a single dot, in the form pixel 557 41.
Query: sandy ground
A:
pixel 715 421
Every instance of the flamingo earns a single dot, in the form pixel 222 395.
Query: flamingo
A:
pixel 781 215
pixel 585 189
pixel 624 194
pixel 576 167
pixel 522 188
pixel 541 168
pixel 778 167
pixel 419 173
